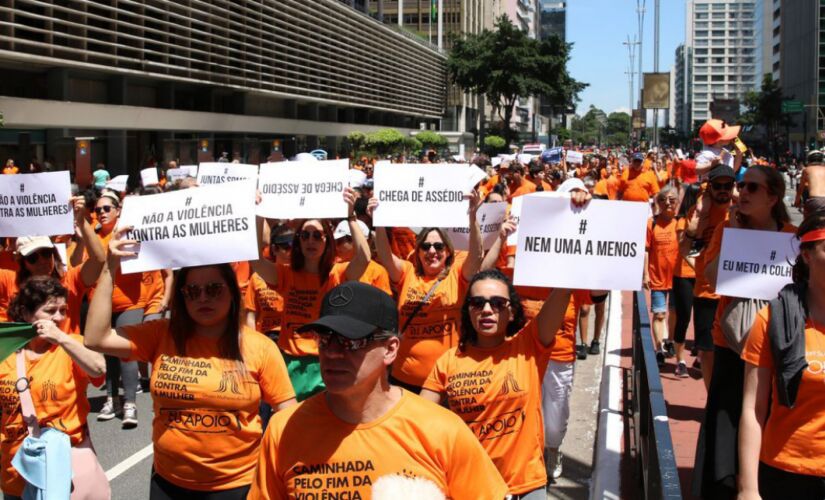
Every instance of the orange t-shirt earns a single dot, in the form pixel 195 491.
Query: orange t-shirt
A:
pixel 434 328
pixel 374 275
pixel 526 187
pixel 308 452
pixel 266 303
pixel 663 252
pixel 713 249
pixel 718 214
pixel 682 269
pixel 495 391
pixel 793 439
pixel 71 279
pixel 243 271
pixel 58 390
pixel 638 186
pixel 10 170
pixel 302 293
pixel 152 289
pixel 206 428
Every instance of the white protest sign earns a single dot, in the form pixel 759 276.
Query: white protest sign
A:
pixel 755 264
pixel 515 212
pixel 219 173
pixel 149 176
pixel 192 227
pixel 176 174
pixel 64 256
pixel 191 170
pixel 598 247
pixel 303 189
pixel 421 195
pixel 118 183
pixel 495 161
pixel 680 154
pixel 356 178
pixel 575 157
pixel 36 204
pixel 476 175
pixel 525 158
pixel 489 217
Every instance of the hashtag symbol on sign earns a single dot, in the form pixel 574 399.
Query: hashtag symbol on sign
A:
pixel 420 182
pixel 188 201
pixel 302 201
pixel 773 255
pixel 583 226
pixel 483 218
pixel 22 187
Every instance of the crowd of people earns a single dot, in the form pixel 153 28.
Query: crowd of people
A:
pixel 381 362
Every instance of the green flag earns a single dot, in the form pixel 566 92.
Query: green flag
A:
pixel 13 336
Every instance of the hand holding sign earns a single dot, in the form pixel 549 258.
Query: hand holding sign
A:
pixel 35 204
pixel 755 264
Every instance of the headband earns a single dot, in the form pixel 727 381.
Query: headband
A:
pixel 112 196
pixel 811 236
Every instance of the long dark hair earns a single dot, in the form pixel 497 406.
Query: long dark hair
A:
pixel 688 199
pixel 297 259
pixel 35 292
pixel 182 326
pixel 801 273
pixel 445 238
pixel 468 333
pixel 775 184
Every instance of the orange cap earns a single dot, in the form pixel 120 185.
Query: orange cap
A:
pixel 714 131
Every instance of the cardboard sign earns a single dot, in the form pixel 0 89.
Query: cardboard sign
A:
pixel 149 177
pixel 598 247
pixel 575 157
pixel 755 264
pixel 303 189
pixel 207 225
pixel 176 174
pixel 219 173
pixel 36 204
pixel 489 217
pixel 422 195
pixel 118 183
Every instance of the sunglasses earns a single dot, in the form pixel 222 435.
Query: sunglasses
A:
pixel 439 246
pixel 751 187
pixel 44 253
pixel 315 235
pixel 325 337
pixel 497 304
pixel 104 208
pixel 282 246
pixel 344 239
pixel 722 186
pixel 194 292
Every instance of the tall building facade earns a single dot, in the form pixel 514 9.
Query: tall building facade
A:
pixel 683 90
pixel 159 79
pixel 553 21
pixel 772 38
pixel 724 43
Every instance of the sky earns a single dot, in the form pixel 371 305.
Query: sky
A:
pixel 597 29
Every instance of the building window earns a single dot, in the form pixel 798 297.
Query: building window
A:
pixel 701 15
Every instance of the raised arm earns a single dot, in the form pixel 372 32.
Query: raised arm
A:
pixel 476 252
pixel 391 263
pixel 551 316
pixel 99 335
pixel 92 267
pixel 362 256
pixel 491 257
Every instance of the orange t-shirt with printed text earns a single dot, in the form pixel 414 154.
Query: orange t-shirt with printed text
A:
pixel 266 303
pixel 713 249
pixel 302 293
pixel 308 452
pixel 434 328
pixel 638 186
pixel 682 269
pixel 71 279
pixel 58 391
pixel 662 246
pixel 717 216
pixel 495 392
pixel 374 275
pixel 793 439
pixel 206 428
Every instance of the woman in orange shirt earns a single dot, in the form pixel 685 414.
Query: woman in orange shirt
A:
pixel 58 367
pixel 491 378
pixel 210 373
pixel 781 444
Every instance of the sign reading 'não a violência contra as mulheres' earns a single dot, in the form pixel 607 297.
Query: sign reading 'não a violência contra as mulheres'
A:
pixel 36 204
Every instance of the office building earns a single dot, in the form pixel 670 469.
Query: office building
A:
pixel 682 89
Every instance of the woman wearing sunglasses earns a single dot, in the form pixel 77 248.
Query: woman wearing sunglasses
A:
pixel 761 207
pixel 209 374
pixel 431 287
pixel 37 256
pixel 492 379
pixel 310 274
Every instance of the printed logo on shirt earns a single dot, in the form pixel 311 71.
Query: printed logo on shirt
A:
pixel 510 385
pixel 230 382
pixel 48 391
pixel 201 420
pixel 498 426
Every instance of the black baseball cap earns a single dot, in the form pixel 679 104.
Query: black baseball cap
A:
pixel 355 310
pixel 721 171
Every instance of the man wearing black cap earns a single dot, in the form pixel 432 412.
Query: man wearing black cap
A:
pixel 709 211
pixel 362 430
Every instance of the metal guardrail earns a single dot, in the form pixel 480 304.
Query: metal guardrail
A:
pixel 652 447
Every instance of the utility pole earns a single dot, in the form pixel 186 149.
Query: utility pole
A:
pixel 631 73
pixel 640 13
pixel 656 67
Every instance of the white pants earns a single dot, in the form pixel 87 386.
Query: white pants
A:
pixel 555 401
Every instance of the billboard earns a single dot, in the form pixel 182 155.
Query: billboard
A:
pixel 656 93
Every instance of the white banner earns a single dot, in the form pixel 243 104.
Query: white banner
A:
pixel 36 204
pixel 422 195
pixel 118 183
pixel 219 173
pixel 575 157
pixel 755 264
pixel 176 174
pixel 149 176
pixel 207 225
pixel 598 247
pixel 489 217
pixel 191 170
pixel 303 189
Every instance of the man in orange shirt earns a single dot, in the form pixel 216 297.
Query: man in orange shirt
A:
pixel 513 174
pixel 361 434
pixel 636 184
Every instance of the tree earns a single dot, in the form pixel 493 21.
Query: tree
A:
pixel 431 140
pixel 385 141
pixel 505 64
pixel 765 108
pixel 494 144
